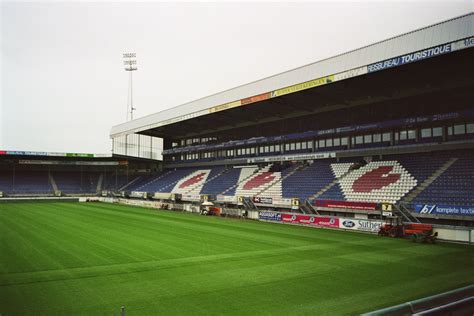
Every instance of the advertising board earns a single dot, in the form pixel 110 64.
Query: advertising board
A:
pixel 452 210
pixel 346 204
pixel 360 224
pixel 269 216
pixel 322 221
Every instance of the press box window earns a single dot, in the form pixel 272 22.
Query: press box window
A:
pixel 426 132
pixel 459 129
pixel 368 139
pixel 344 141
pixel 322 143
pixel 377 138
pixel 329 142
pixel 411 134
pixel 403 135
pixel 437 131
pixel 386 137
pixel 359 140
pixel 470 128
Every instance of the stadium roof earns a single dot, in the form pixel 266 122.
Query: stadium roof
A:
pixel 431 41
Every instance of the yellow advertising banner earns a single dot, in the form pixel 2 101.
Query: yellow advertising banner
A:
pixel 225 106
pixel 303 86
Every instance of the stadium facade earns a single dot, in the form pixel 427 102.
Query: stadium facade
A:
pixel 389 125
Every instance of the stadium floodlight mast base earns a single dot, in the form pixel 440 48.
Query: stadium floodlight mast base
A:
pixel 130 63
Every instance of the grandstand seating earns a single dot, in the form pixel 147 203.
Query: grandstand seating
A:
pixel 453 187
pixel 308 181
pixel 389 179
pixel 26 182
pixel 114 182
pixel 258 182
pixel 76 182
pixel 161 182
pixel 222 182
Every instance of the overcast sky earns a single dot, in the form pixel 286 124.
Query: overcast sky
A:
pixel 62 80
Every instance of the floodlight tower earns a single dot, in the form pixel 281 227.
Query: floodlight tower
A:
pixel 130 63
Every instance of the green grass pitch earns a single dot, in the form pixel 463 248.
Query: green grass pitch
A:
pixel 92 258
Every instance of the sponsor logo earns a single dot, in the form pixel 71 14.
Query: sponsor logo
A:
pixel 445 210
pixel 269 216
pixel 408 58
pixel 348 223
pixel 259 180
pixel 375 179
pixel 193 180
pixel 378 177
pixel 427 209
pixel 262 200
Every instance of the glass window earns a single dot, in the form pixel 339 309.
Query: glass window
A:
pixel 437 131
pixel 322 143
pixel 287 147
pixel 329 142
pixel 303 145
pixel 239 151
pixel 277 148
pixel 252 150
pixel 292 146
pixel 368 139
pixel 459 129
pixel 377 138
pixel 411 134
pixel 267 149
pixel 403 135
pixel 298 146
pixel 359 140
pixel 262 149
pixel 470 128
pixel 450 130
pixel 310 144
pixel 344 141
pixel 316 145
pixel 272 148
pixel 425 132
pixel 386 137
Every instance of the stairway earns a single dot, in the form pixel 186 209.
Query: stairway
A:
pixel 307 208
pixel 253 171
pixel 402 211
pixel 53 182
pixel 129 183
pixel 420 188
pixel 330 185
pixel 193 190
pixel 297 168
pixel 99 183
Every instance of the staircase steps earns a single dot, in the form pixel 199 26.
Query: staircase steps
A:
pixel 420 188
pixel 238 183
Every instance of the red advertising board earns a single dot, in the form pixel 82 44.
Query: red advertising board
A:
pixel 311 220
pixel 2 152
pixel 346 204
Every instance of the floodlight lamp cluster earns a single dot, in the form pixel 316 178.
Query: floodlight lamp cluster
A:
pixel 130 64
